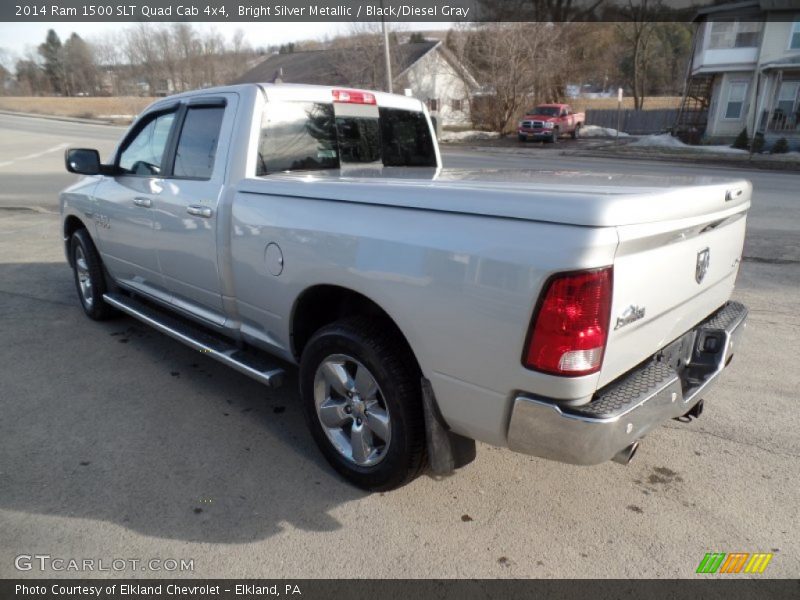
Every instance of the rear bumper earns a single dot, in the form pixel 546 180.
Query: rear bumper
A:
pixel 625 410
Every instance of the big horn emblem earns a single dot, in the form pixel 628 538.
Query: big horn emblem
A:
pixel 703 260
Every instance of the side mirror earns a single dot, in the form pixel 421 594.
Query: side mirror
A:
pixel 83 161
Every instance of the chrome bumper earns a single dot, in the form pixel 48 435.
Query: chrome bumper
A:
pixel 625 410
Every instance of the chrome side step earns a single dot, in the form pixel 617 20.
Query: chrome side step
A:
pixel 250 363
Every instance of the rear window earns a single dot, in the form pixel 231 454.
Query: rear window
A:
pixel 302 136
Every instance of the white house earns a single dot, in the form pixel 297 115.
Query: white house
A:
pixel 426 68
pixel 745 72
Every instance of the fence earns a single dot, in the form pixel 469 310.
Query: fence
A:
pixel 637 122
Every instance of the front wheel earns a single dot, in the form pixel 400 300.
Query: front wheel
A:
pixel 361 396
pixel 576 132
pixel 554 137
pixel 90 280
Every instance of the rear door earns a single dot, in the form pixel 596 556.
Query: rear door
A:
pixel 186 213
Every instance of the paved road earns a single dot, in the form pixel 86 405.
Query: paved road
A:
pixel 116 442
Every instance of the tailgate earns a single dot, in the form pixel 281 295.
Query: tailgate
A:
pixel 669 276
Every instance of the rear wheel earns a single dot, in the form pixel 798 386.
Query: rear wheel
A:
pixel 90 281
pixel 362 400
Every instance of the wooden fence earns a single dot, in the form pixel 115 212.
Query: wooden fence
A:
pixel 637 122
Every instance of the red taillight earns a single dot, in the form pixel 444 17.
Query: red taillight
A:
pixel 569 332
pixel 353 97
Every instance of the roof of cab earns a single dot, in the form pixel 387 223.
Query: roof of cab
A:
pixel 300 92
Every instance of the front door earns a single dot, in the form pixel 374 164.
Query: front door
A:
pixel 186 212
pixel 123 210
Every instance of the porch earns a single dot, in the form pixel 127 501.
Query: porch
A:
pixel 779 106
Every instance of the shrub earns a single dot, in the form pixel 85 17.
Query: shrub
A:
pixel 780 147
pixel 741 141
pixel 758 143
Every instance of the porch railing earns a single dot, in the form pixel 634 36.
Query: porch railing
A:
pixel 780 122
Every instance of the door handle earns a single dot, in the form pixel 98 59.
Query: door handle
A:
pixel 142 201
pixel 199 211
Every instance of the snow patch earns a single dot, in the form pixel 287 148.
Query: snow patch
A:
pixel 665 140
pixel 467 136
pixel 595 131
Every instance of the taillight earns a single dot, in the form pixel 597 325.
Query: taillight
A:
pixel 353 97
pixel 570 329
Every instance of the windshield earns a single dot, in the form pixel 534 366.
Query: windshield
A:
pixel 303 136
pixel 547 111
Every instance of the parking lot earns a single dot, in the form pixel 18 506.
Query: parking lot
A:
pixel 117 442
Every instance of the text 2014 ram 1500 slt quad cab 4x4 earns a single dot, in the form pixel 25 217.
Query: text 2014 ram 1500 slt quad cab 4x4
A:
pixel 563 315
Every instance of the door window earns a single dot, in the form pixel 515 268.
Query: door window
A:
pixel 143 154
pixel 197 146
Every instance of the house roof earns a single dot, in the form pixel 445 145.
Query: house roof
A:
pixel 745 8
pixel 329 67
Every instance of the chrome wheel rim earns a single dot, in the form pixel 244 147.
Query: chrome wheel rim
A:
pixel 84 279
pixel 352 410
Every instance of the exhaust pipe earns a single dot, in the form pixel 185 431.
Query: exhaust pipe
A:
pixel 625 455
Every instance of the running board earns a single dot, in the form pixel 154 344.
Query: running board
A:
pixel 250 363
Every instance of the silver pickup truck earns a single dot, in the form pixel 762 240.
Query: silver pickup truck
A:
pixel 560 314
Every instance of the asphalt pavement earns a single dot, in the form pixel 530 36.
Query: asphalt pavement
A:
pixel 117 442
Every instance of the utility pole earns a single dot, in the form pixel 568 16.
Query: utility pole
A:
pixel 386 55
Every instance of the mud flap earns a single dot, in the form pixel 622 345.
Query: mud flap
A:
pixel 447 451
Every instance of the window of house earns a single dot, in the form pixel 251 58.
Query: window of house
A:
pixel 143 153
pixel 737 91
pixel 734 34
pixel 197 146
pixel 787 98
pixel 433 104
pixel 794 38
pixel 457 105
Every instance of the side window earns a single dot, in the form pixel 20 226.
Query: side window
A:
pixel 143 154
pixel 794 39
pixel 737 92
pixel 197 145
pixel 297 136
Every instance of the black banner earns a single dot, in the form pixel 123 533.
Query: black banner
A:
pixel 367 10
pixel 722 587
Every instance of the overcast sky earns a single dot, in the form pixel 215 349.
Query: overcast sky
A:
pixel 18 37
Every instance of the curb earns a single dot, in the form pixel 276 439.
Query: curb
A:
pixel 55 117
pixel 695 159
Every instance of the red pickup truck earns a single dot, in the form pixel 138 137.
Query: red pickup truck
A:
pixel 548 122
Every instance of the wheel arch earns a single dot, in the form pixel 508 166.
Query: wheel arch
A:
pixel 71 225
pixel 322 304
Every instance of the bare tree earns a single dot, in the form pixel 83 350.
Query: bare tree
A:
pixel 517 64
pixel 637 35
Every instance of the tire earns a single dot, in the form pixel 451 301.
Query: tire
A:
pixel 575 132
pixel 554 137
pixel 90 281
pixel 522 138
pixel 392 428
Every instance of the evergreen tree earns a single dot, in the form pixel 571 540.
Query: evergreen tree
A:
pixel 51 53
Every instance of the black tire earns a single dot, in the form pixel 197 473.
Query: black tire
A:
pixel 522 138
pixel 554 137
pixel 377 346
pixel 82 247
pixel 575 132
